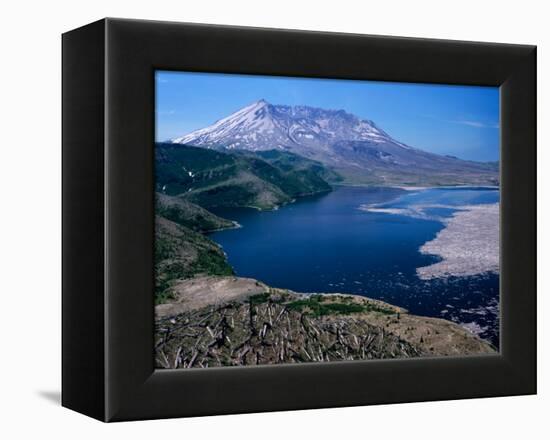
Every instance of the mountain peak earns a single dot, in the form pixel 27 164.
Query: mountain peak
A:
pixel 260 103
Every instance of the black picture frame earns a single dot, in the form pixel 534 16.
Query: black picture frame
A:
pixel 108 219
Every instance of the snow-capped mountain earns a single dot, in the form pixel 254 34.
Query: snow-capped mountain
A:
pixel 264 126
pixel 333 137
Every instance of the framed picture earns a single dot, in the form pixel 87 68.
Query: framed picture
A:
pixel 261 219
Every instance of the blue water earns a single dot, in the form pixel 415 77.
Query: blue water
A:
pixel 327 244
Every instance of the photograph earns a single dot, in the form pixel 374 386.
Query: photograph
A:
pixel 228 220
pixel 304 220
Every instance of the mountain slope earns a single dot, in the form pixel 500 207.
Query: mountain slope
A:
pixel 214 179
pixel 182 253
pixel 356 148
pixel 188 214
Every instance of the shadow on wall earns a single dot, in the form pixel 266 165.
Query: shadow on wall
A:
pixel 52 396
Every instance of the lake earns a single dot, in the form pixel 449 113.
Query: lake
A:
pixel 326 243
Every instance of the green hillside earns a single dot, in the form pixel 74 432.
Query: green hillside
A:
pixel 214 179
pixel 182 253
pixel 191 180
pixel 188 214
pixel 298 165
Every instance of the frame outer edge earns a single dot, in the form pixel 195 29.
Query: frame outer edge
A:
pixel 106 234
pixel 520 350
pixel 83 344
pixel 138 391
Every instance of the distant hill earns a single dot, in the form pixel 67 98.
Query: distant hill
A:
pixel 211 178
pixel 357 149
pixel 188 214
pixel 299 166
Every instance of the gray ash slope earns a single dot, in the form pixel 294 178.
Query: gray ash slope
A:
pixel 356 148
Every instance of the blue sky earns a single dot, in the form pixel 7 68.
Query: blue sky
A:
pixel 462 121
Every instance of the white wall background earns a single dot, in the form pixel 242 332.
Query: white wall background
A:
pixel 30 231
